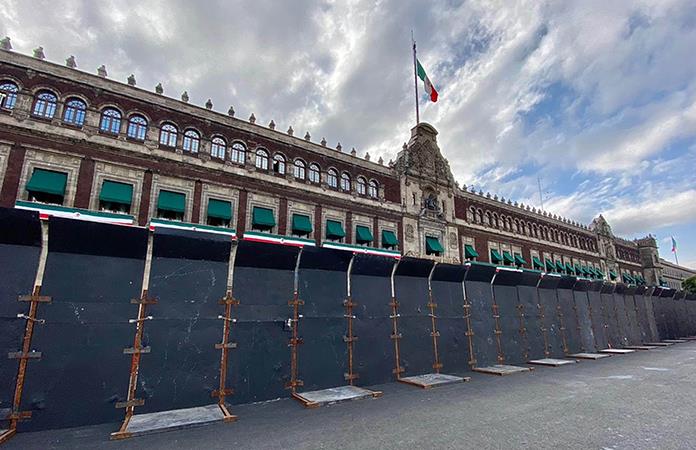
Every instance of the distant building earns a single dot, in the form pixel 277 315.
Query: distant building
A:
pixel 673 275
pixel 72 142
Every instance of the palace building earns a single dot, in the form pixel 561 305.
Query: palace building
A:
pixel 83 145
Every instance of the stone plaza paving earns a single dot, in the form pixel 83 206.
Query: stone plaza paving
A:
pixel 641 400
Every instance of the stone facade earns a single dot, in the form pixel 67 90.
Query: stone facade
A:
pixel 415 197
pixel 674 274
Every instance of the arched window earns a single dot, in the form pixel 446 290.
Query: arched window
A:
pixel 314 173
pixel 345 182
pixel 45 105
pixel 299 170
pixel 110 121
pixel 332 178
pixel 261 159
pixel 137 127
pixel 168 135
pixel 373 189
pixel 192 140
pixel 218 148
pixel 238 153
pixel 279 164
pixel 362 186
pixel 74 112
pixel 8 94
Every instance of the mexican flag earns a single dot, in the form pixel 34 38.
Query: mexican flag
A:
pixel 428 86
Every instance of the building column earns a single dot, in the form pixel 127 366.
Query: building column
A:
pixel 283 216
pixel 13 174
pixel 144 211
pixel 85 177
pixel 197 193
pixel 241 212
pixel 317 225
pixel 349 227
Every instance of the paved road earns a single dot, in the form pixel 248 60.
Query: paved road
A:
pixel 645 400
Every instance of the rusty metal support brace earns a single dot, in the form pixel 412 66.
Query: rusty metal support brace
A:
pixel 395 336
pixel 523 332
pixel 469 333
pixel 496 317
pixel 437 365
pixel 295 340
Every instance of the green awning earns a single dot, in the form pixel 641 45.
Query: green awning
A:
pixel 262 218
pixel 600 273
pixel 495 256
pixel 507 258
pixel 334 230
pixel 470 252
pixel 550 266
pixel 219 209
pixel 432 245
pixel 48 182
pixel 584 270
pixel 612 275
pixel 519 260
pixel 663 282
pixel 578 270
pixel 389 238
pixel 115 192
pixel 537 263
pixel 560 267
pixel 628 278
pixel 569 268
pixel 171 201
pixel 301 225
pixel 363 235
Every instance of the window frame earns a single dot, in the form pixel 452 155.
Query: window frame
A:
pixel 314 170
pixel 139 127
pixel 110 121
pixel 10 95
pixel 47 106
pixel 261 159
pixel 238 151
pixel 218 144
pixel 299 170
pixel 77 114
pixel 332 178
pixel 191 142
pixel 168 131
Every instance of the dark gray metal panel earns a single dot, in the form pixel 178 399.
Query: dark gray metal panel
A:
pixel 613 329
pixel 566 302
pixel 512 340
pixel 263 284
pixel 479 295
pixel 453 343
pixel 91 279
pixel 621 317
pixel 533 322
pixel 188 277
pixel 634 337
pixel 660 310
pixel 641 314
pixel 650 312
pixel 549 306
pixel 599 324
pixel 20 241
pixel 582 310
pixel 416 345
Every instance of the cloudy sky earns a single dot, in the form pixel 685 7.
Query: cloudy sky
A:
pixel 597 99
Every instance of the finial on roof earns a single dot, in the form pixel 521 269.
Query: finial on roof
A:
pixel 101 71
pixel 209 104
pixel 404 146
pixel 380 161
pixel 185 97
pixel 5 43
pixel 159 89
pixel 271 125
pixel 131 80
pixel 367 156
pixel 339 147
pixel 252 118
pixel 390 163
pixel 230 112
pixel 70 62
pixel 495 197
pixel 353 152
pixel 488 194
pixel 307 136
pixel 290 130
pixel 39 53
pixel 323 142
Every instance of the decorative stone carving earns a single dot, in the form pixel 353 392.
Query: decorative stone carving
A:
pixel 409 233
pixel 230 112
pixel 353 152
pixel 290 130
pixel 323 142
pixel 307 136
pixel 5 44
pixel 39 53
pixel 185 97
pixel 367 156
pixel 453 241
pixel 101 71
pixel 380 161
pixel 131 80
pixel 339 147
pixel 422 158
pixel 159 89
pixel 601 226
pixel 209 104
pixel 70 62
pixel 252 118
pixel 271 125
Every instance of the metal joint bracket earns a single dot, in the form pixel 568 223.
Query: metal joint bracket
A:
pixel 133 350
pixel 31 319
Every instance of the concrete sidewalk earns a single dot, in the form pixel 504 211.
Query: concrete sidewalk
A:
pixel 643 400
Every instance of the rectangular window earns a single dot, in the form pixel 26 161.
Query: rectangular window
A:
pixel 262 219
pixel 301 225
pixel 47 186
pixel 433 246
pixel 219 213
pixel 363 235
pixel 171 205
pixel 389 239
pixel 116 197
pixel 334 230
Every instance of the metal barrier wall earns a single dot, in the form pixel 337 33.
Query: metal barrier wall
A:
pixel 553 328
pixel 567 314
pixel 92 272
pixel 512 334
pixel 479 296
pixel 532 317
pixel 582 312
pixel 596 307
pixel 621 315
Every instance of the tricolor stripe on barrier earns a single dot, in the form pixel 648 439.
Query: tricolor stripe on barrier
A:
pixel 162 223
pixel 45 211
pixel 254 236
pixel 363 250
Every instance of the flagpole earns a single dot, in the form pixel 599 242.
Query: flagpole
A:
pixel 415 77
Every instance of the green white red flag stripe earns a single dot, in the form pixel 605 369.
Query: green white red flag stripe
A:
pixel 427 84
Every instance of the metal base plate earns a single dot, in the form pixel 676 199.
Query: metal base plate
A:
pixel 429 380
pixel 176 419
pixel 314 399
pixel 589 356
pixel 659 344
pixel 502 369
pixel 690 338
pixel 617 351
pixel 640 347
pixel 551 362
pixel 674 341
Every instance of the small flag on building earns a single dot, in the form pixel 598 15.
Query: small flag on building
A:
pixel 674 245
pixel 427 84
